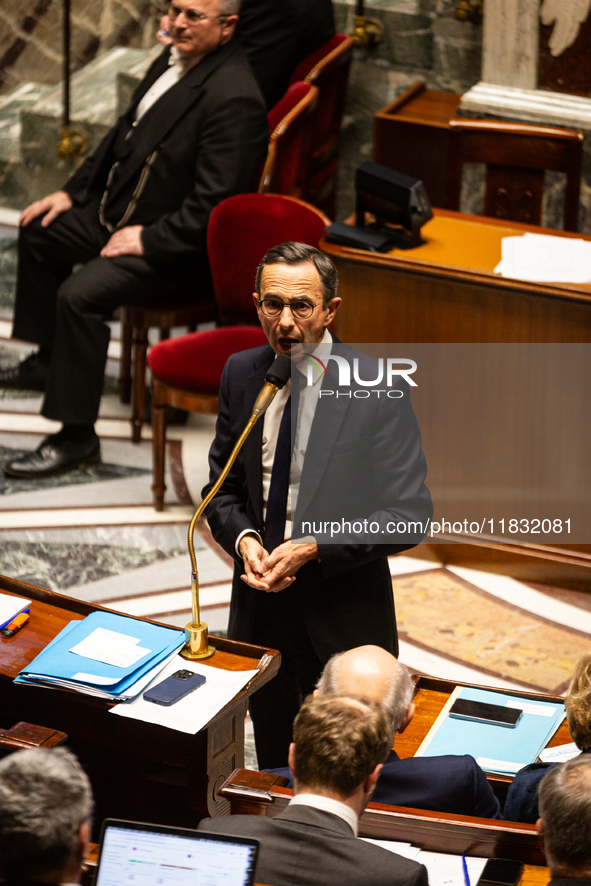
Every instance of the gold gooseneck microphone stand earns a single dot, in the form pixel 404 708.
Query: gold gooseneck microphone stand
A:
pixel 196 639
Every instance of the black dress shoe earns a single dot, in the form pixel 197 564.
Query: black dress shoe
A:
pixel 29 375
pixel 55 455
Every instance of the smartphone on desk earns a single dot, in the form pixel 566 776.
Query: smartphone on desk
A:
pixel 175 687
pixel 500 872
pixel 482 712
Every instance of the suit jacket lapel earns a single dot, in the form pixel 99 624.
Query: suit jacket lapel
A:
pixel 324 433
pixel 164 113
pixel 254 442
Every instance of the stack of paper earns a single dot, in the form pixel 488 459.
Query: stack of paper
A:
pixel 10 607
pixel 498 750
pixel 106 655
pixel 193 712
pixel 542 258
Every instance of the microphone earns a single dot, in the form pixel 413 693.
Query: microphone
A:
pixel 196 637
pixel 275 379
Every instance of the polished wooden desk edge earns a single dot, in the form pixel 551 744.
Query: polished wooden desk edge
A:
pixel 259 793
pixel 271 657
pixel 487 278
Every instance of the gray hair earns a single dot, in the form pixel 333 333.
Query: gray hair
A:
pixel 45 796
pixel 565 810
pixel 292 253
pixel 229 7
pixel 398 697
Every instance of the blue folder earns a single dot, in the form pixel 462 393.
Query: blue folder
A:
pixel 57 663
pixel 515 746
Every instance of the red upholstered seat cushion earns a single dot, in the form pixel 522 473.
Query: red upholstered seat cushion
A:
pixel 195 362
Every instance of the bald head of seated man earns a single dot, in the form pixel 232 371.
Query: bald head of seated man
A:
pixel 449 783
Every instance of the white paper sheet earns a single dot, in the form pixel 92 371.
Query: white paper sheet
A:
pixel 447 870
pixel 192 713
pixel 111 647
pixel 10 607
pixel 490 765
pixel 560 754
pixel 543 258
pixel 529 708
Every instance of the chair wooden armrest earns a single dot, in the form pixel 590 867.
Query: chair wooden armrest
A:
pixel 27 735
pixel 261 793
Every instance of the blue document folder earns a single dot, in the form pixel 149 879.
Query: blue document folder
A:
pixel 499 750
pixel 56 665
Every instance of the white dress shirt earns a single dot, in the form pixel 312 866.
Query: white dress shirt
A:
pixel 271 422
pixel 327 804
pixel 177 68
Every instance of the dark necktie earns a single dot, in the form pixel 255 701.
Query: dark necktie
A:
pixel 279 486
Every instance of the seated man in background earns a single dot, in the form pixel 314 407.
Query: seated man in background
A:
pixel 447 783
pixel 339 744
pixel 276 35
pixel 45 808
pixel 565 820
pixel 135 214
pixel 522 796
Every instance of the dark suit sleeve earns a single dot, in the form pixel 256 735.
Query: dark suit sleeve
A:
pixel 486 804
pixel 399 494
pixel 232 144
pixel 227 513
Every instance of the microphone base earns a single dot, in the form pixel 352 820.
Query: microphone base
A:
pixel 196 646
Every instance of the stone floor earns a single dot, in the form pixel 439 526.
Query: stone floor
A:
pixel 94 535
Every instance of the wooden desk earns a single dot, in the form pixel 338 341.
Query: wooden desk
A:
pixel 446 291
pixel 261 793
pixel 431 694
pixel 411 135
pixel 137 770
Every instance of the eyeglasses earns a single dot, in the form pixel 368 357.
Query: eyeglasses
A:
pixel 192 16
pixel 273 308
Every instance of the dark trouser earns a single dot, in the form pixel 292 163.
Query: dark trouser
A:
pixel 68 311
pixel 280 625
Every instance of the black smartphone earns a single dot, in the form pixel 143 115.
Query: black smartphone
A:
pixel 500 872
pixel 175 687
pixel 482 712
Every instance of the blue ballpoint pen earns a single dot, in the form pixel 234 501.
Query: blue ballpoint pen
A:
pixel 466 874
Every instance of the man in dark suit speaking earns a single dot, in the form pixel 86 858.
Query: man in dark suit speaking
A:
pixel 135 214
pixel 336 756
pixel 447 783
pixel 309 600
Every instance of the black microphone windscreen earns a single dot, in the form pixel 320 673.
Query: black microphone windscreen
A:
pixel 279 371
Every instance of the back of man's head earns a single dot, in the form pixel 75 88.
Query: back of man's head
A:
pixel 565 810
pixel 45 797
pixel 338 744
pixel 372 673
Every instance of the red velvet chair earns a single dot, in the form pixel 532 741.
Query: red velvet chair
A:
pixel 327 69
pixel 286 167
pixel 186 371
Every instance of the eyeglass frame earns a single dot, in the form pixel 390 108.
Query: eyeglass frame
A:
pixel 192 16
pixel 289 305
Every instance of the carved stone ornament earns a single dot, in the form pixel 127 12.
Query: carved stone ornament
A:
pixel 567 16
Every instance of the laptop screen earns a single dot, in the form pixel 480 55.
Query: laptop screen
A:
pixel 135 854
